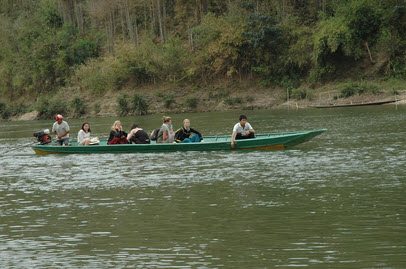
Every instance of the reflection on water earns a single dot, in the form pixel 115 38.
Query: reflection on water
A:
pixel 336 201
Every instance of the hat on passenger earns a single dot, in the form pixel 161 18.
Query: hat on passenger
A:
pixel 59 117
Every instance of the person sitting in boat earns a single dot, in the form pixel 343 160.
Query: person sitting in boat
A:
pixel 166 134
pixel 61 130
pixel 137 135
pixel 183 134
pixel 84 135
pixel 117 134
pixel 242 130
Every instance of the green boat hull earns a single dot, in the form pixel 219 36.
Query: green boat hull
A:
pixel 263 141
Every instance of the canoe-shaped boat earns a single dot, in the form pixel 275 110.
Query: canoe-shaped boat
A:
pixel 358 104
pixel 262 141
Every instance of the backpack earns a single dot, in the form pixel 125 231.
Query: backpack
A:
pixel 154 135
pixel 177 133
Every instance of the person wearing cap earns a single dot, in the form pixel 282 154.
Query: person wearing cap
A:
pixel 61 130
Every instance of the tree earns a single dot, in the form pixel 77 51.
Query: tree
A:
pixel 364 21
pixel 263 37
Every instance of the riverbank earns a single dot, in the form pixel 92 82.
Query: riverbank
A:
pixel 167 99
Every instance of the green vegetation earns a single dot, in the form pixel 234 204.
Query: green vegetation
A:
pixel 96 108
pixel 299 93
pixel 78 106
pixel 350 89
pixel 139 104
pixel 249 98
pixel 49 107
pixel 192 102
pixel 169 99
pixel 4 111
pixel 104 46
pixel 219 92
pixel 122 104
pixel 232 101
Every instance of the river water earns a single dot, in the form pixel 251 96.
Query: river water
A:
pixel 337 201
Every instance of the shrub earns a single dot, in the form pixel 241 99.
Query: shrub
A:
pixel 250 98
pixel 139 104
pixel 347 91
pixel 299 93
pixel 122 104
pixel 57 106
pixel 168 100
pixel 359 88
pixel 96 108
pixel 375 91
pixel 42 106
pixel 395 91
pixel 100 75
pixel 83 49
pixel 48 108
pixel 17 109
pixel 219 93
pixel 238 100
pixel 78 105
pixel 4 111
pixel 192 102
pixel 310 95
pixel 223 92
pixel 159 93
pixel 229 101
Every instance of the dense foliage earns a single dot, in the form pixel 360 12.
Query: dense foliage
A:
pixel 102 45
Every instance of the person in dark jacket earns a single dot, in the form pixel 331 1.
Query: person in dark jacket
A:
pixel 117 135
pixel 137 135
pixel 183 134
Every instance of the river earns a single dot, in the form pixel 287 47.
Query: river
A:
pixel 337 201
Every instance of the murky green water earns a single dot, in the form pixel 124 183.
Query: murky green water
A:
pixel 338 201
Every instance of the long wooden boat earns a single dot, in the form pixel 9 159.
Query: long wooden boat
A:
pixel 262 141
pixel 357 104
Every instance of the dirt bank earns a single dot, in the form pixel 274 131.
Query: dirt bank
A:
pixel 188 99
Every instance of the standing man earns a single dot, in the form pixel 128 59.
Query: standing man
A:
pixel 242 130
pixel 61 130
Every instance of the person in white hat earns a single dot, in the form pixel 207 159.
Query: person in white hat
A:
pixel 61 130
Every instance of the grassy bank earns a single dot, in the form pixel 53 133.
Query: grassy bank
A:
pixel 223 95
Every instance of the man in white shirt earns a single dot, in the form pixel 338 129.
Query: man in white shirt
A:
pixel 242 130
pixel 61 130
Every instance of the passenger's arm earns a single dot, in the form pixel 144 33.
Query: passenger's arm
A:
pixel 249 131
pixel 60 136
pixel 196 132
pixel 130 134
pixel 165 135
pixel 232 138
pixel 80 136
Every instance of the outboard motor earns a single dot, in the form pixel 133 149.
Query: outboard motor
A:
pixel 43 137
